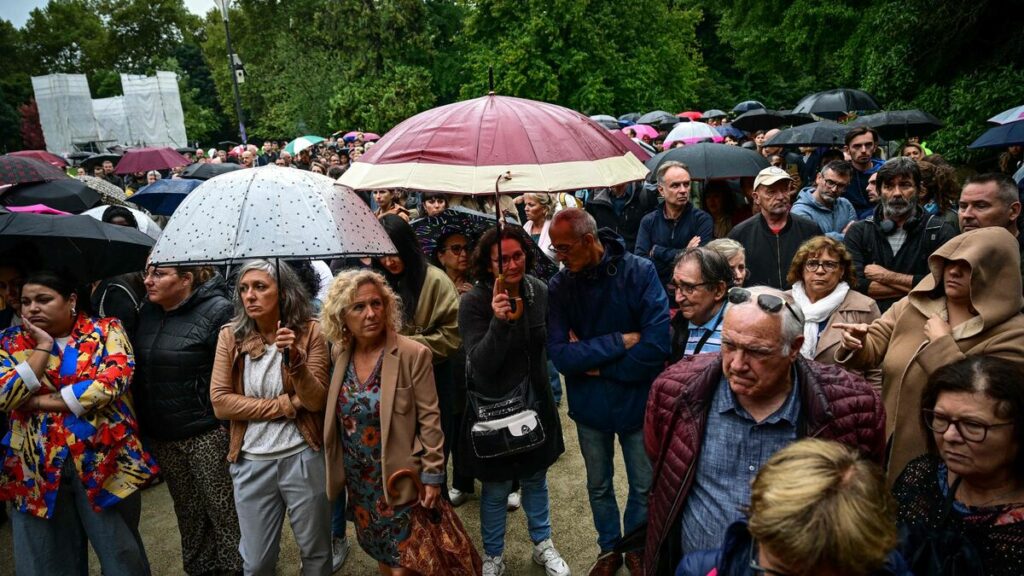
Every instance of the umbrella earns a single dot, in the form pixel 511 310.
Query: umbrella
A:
pixel 18 170
pixel 761 119
pixel 836 103
pixel 713 161
pixel 69 195
pixel 658 117
pixel 641 130
pixel 37 209
pixel 609 122
pixel 77 247
pixel 95 159
pixel 77 157
pixel 207 170
pixel 301 143
pixel 51 159
pixel 270 213
pixel 691 133
pixel 747 106
pixel 1011 115
pixel 730 130
pixel 185 150
pixel 147 225
pixel 639 151
pixel 629 118
pixel 1018 177
pixel 163 196
pixel 146 159
pixel 367 136
pixel 691 115
pixel 900 124
pixel 821 133
pixel 1001 136
pixel 714 113
pixel 109 193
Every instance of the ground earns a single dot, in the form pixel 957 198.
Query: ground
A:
pixel 572 525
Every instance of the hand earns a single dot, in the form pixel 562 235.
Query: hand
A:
pixel 463 287
pixel 52 402
pixel 431 494
pixel 296 402
pixel 853 335
pixel 846 229
pixel 630 339
pixel 573 338
pixel 875 273
pixel 285 338
pixel 500 303
pixel 43 340
pixel 936 328
pixel 694 242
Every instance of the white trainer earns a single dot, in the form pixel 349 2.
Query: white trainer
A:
pixel 457 497
pixel 339 552
pixel 544 554
pixel 493 566
pixel 514 502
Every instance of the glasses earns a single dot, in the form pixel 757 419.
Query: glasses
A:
pixel 687 288
pixel 828 265
pixel 157 274
pixel 564 248
pixel 518 258
pixel 761 570
pixel 767 302
pixel 970 430
pixel 455 249
pixel 835 185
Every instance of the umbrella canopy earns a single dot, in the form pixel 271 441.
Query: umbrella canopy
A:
pixel 692 115
pixel 714 113
pixel 163 196
pixel 641 153
pixel 109 193
pixel 18 170
pixel 747 106
pixel 629 118
pixel 95 159
pixel 51 159
pixel 367 136
pixel 658 118
pixel 37 209
pixel 80 248
pixel 821 133
pixel 900 124
pixel 146 159
pixel 609 122
pixel 77 157
pixel 1006 135
pixel 185 150
pixel 270 213
pixel 713 161
pixel 147 225
pixel 68 195
pixel 837 102
pixel 301 143
pixel 691 133
pixel 464 148
pixel 1018 177
pixel 206 170
pixel 761 119
pixel 641 130
pixel 730 130
pixel 1011 115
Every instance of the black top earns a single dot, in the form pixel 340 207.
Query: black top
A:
pixel 769 254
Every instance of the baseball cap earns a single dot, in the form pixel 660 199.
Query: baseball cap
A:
pixel 769 176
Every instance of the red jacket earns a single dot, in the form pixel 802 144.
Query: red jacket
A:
pixel 834 405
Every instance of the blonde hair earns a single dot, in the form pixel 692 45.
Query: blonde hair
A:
pixel 545 200
pixel 727 247
pixel 339 299
pixel 821 506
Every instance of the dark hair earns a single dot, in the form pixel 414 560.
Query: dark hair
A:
pixel 480 262
pixel 829 156
pixel 860 131
pixel 119 212
pixel 937 159
pixel 722 188
pixel 939 184
pixel 424 196
pixel 996 378
pixel 1007 188
pixel 53 281
pixel 409 283
pixel 714 268
pixel 307 275
pixel 443 237
pixel 897 167
pixel 838 167
pixel 335 172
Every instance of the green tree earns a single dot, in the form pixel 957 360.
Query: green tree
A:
pixel 141 33
pixel 65 36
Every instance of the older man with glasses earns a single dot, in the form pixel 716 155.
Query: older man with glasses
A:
pixel 700 280
pixel 714 419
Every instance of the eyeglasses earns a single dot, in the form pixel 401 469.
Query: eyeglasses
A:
pixel 156 274
pixel 970 430
pixel 687 288
pixel 767 302
pixel 564 248
pixel 813 264
pixel 518 258
pixel 835 185
pixel 761 570
pixel 455 249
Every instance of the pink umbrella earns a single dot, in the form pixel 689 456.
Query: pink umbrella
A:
pixel 43 155
pixel 146 159
pixel 641 130
pixel 367 136
pixel 691 133
pixel 38 209
pixel 693 115
pixel 237 150
pixel 636 149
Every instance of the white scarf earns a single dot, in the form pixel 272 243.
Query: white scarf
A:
pixel 816 313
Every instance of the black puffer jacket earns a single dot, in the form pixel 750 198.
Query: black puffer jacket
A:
pixel 174 354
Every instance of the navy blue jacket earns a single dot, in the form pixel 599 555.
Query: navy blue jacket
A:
pixel 660 239
pixel 621 294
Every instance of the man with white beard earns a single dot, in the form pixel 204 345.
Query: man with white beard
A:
pixel 890 252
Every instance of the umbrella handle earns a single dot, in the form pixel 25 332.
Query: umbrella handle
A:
pixel 516 311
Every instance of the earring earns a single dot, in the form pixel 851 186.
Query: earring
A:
pixel 72 311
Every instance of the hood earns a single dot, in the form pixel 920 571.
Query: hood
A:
pixel 212 288
pixel 806 198
pixel 604 195
pixel 614 245
pixel 994 258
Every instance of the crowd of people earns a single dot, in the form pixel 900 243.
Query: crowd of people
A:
pixel 817 370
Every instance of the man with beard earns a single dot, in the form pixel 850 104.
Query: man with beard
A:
pixel 824 203
pixel 890 252
pixel 861 144
pixel 772 237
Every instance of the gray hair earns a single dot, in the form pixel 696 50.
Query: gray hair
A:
pixel 295 303
pixel 726 247
pixel 154 173
pixel 666 166
pixel 714 266
pixel 580 221
pixel 792 328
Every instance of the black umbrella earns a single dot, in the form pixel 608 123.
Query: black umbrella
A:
pixel 1001 136
pixel 630 118
pixel 709 161
pixel 836 103
pixel 747 106
pixel 900 124
pixel 761 119
pixel 821 133
pixel 80 248
pixel 95 159
pixel 185 150
pixel 16 170
pixel 206 170
pixel 658 118
pixel 77 157
pixel 70 195
pixel 607 121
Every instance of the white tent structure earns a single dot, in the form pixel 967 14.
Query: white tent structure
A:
pixel 65 111
pixel 152 105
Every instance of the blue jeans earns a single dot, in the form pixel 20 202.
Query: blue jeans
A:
pixel 338 516
pixel 556 382
pixel 598 450
pixel 493 511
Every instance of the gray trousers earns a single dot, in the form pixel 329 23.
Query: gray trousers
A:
pixel 57 546
pixel 264 490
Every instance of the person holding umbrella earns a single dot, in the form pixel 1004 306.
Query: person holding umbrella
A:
pixel 74 464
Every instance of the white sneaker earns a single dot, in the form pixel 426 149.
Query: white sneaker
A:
pixel 339 552
pixel 544 554
pixel 457 497
pixel 514 502
pixel 493 566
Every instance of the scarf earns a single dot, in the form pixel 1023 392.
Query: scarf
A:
pixel 816 313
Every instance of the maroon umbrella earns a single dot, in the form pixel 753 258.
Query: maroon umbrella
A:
pixel 146 159
pixel 21 170
pixel 51 159
pixel 636 149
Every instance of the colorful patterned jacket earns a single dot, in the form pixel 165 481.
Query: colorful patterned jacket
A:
pixel 100 434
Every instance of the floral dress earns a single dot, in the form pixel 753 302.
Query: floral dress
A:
pixel 379 527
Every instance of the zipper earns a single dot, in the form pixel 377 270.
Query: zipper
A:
pixel 778 260
pixel 674 508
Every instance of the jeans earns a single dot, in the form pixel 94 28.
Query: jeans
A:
pixel 493 512
pixel 338 516
pixel 598 450
pixel 556 382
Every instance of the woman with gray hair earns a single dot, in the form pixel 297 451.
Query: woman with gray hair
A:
pixel 270 380
pixel 735 254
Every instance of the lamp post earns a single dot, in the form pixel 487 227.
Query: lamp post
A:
pixel 235 65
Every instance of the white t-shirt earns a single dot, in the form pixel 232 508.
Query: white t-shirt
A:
pixel 268 439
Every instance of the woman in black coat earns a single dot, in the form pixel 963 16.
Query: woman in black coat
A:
pixel 500 353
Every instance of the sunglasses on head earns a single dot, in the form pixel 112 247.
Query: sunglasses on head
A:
pixel 767 302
